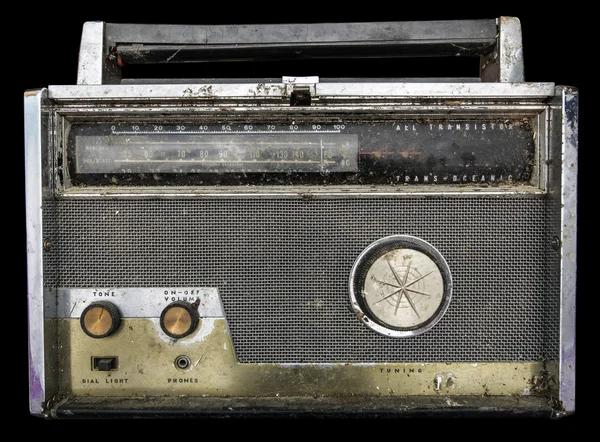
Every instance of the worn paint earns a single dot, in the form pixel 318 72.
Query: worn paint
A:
pixel 205 328
pixel 146 362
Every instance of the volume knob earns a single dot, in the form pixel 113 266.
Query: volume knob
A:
pixel 100 319
pixel 179 319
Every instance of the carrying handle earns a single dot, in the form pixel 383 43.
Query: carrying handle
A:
pixel 106 47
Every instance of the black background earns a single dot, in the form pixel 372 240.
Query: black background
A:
pixel 41 47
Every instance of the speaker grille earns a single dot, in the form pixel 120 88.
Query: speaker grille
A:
pixel 282 267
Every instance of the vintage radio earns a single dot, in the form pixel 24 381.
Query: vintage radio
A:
pixel 301 245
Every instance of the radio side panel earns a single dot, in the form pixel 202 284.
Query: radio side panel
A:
pixel 563 191
pixel 42 339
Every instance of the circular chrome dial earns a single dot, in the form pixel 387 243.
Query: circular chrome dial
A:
pixel 400 286
pixel 100 319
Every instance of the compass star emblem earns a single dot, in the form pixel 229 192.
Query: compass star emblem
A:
pixel 403 286
pixel 400 286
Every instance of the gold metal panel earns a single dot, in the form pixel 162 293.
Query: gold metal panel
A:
pixel 147 366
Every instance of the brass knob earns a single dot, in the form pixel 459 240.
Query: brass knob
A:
pixel 179 319
pixel 100 319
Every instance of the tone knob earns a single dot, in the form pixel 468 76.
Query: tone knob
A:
pixel 179 319
pixel 100 319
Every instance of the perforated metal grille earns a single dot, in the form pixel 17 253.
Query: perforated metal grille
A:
pixel 282 266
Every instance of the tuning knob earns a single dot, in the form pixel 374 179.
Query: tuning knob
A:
pixel 100 319
pixel 179 319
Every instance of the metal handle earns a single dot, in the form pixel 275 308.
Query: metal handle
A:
pixel 105 47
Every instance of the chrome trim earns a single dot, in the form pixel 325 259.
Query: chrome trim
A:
pixel 542 141
pixel 90 68
pixel 510 55
pixel 505 62
pixel 33 204
pixel 568 229
pixel 438 91
pixel 301 193
pixel 173 109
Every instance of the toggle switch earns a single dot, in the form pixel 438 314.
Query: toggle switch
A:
pixel 105 363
